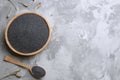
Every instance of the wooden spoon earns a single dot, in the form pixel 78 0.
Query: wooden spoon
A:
pixel 36 71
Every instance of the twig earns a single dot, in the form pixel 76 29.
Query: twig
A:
pixel 23 4
pixel 8 15
pixel 13 4
pixel 38 5
pixel 11 74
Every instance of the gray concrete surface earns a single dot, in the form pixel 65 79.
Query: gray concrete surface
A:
pixel 85 41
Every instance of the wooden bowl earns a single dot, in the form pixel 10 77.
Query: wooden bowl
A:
pixel 27 33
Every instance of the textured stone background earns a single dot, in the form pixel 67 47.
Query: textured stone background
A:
pixel 85 42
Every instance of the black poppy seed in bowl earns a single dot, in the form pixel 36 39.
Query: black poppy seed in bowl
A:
pixel 38 72
pixel 28 33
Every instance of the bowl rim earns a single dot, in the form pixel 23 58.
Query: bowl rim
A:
pixel 22 53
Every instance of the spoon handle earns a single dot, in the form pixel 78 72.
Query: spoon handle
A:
pixel 16 62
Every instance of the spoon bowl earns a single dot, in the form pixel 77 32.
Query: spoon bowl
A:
pixel 37 72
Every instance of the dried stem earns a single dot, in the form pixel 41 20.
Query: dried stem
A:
pixel 13 4
pixel 23 4
pixel 38 5
pixel 8 15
